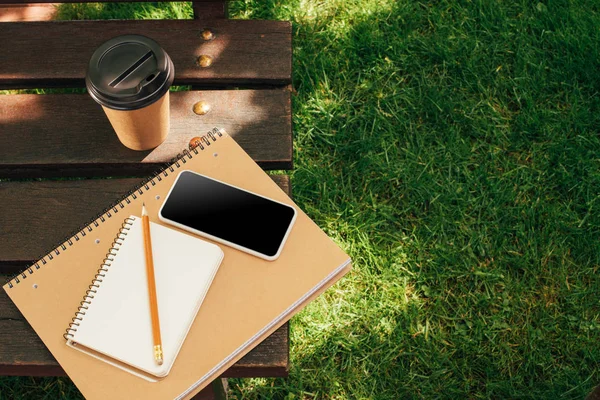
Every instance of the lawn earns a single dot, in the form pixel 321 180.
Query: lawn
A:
pixel 452 148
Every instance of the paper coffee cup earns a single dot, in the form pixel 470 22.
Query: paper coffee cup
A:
pixel 130 77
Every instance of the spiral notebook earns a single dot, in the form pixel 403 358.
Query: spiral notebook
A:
pixel 248 300
pixel 113 321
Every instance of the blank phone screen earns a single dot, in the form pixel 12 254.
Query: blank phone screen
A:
pixel 228 213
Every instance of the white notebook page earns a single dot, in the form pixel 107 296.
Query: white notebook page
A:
pixel 118 322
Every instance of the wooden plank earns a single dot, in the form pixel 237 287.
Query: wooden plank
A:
pixel 56 53
pixel 210 9
pixel 65 205
pixel 216 391
pixel 22 352
pixel 37 215
pixel 27 12
pixel 69 134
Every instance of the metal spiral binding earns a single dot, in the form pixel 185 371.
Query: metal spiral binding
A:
pixel 110 211
pixel 93 288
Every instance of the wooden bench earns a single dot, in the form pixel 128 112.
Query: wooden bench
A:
pixel 240 69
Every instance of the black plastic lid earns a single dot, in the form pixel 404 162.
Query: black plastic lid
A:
pixel 129 72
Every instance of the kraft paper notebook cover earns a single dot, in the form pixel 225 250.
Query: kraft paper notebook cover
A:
pixel 113 323
pixel 248 300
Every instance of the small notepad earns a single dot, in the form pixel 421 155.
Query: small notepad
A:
pixel 114 322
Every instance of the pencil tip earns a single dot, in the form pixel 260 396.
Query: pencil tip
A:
pixel 144 209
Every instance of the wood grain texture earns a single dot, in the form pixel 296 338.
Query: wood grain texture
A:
pixel 56 53
pixel 69 134
pixel 37 216
pixel 210 9
pixel 27 12
pixel 216 391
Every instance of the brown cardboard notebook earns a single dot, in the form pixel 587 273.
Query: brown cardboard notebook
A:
pixel 249 297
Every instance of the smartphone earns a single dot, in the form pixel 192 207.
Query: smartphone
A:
pixel 228 214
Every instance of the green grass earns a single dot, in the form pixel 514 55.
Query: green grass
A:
pixel 452 149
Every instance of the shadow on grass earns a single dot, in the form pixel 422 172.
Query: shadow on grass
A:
pixel 435 143
pixel 452 151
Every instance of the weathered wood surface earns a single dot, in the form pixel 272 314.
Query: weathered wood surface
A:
pixel 36 216
pixel 27 12
pixel 216 391
pixel 69 134
pixel 56 53
pixel 64 205
pixel 210 9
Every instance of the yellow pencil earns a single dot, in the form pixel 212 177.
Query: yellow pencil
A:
pixel 158 354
